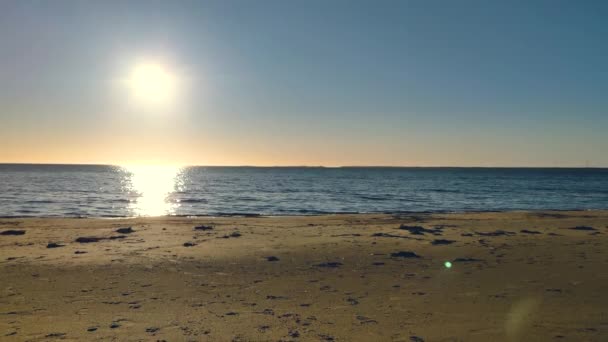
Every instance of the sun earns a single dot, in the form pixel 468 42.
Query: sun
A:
pixel 152 83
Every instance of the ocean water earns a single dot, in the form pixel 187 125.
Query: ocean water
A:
pixel 113 191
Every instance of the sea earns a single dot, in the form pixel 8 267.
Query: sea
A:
pixel 34 190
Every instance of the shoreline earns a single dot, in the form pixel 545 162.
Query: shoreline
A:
pixel 514 276
pixel 258 215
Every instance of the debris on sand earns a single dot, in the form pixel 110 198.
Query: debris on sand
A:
pixel 272 258
pixel 91 239
pixel 203 227
pixel 405 254
pixel 54 245
pixel 442 242
pixel 61 335
pixel 416 339
pixel 127 230
pixel 467 260
pixel 496 233
pixel 88 239
pixel 366 320
pixel 189 244
pixel 332 264
pixel 584 228
pixel 394 236
pixel 232 235
pixel 419 230
pixel 352 301
pixel 13 232
pixel 527 231
pixel 114 325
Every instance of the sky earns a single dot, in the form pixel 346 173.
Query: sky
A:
pixel 332 83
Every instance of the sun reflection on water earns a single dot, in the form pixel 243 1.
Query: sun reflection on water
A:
pixel 152 186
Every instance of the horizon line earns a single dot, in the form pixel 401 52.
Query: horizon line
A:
pixel 320 166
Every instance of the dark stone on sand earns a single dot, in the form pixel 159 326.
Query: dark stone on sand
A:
pixel 203 227
pixel 152 330
pixel 584 228
pixel 442 242
pixel 294 333
pixel 466 234
pixel 467 260
pixel 13 232
pixel 91 329
pixel 127 230
pixel 114 325
pixel 405 254
pixel 333 264
pixel 189 244
pixel 54 245
pixel 526 231
pixel 80 252
pixel 88 239
pixel 272 258
pixel 416 339
pixel 419 230
pixel 117 237
pixel 496 233
pixel 377 263
pixel 231 313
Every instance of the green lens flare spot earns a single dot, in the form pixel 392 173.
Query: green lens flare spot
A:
pixel 447 264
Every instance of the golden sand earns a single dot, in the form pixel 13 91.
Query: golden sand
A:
pixel 518 276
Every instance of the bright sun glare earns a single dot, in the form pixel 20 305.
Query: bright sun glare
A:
pixel 152 185
pixel 152 83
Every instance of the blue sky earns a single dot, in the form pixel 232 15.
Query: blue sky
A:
pixel 489 83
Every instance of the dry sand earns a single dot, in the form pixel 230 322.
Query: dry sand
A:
pixel 334 278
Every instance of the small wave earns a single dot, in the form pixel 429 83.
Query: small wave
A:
pixel 375 198
pixel 190 200
pixel 38 202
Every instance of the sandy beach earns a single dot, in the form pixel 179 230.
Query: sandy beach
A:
pixel 516 276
